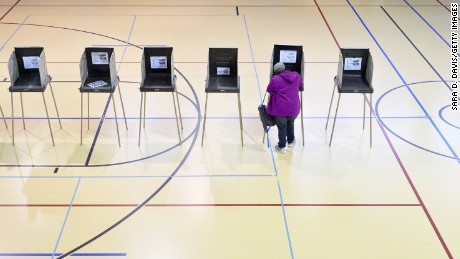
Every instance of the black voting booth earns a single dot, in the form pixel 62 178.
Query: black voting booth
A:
pixel 158 76
pixel 354 75
pixel 223 78
pixel 28 73
pixel 292 57
pixel 98 75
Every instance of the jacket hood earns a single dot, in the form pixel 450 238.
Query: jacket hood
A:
pixel 289 76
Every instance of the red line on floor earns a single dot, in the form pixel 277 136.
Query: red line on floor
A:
pixel 10 9
pixel 327 24
pixel 396 155
pixel 443 5
pixel 221 205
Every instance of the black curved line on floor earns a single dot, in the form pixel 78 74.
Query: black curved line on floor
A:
pixel 196 130
pixel 134 45
pixel 124 162
pixel 70 29
pixel 159 188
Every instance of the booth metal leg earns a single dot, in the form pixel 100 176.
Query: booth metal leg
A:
pixel 263 139
pixel 140 121
pixel 116 119
pixel 330 105
pixel 145 105
pixel 81 119
pixel 335 117
pixel 22 108
pixel 55 105
pixel 48 117
pixel 301 117
pixel 88 109
pixel 122 106
pixel 12 116
pixel 370 119
pixel 180 114
pixel 204 121
pixel 241 119
pixel 3 115
pixel 177 120
pixel 364 113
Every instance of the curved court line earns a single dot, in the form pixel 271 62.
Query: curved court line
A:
pixel 122 162
pixel 404 82
pixel 377 115
pixel 406 174
pixel 128 43
pixel 159 188
pixel 446 121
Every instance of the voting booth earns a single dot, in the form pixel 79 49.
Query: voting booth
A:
pixel 354 75
pixel 28 73
pixel 157 67
pixel 99 75
pixel 292 57
pixel 223 78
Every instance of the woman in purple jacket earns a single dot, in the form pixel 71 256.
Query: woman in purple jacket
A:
pixel 284 103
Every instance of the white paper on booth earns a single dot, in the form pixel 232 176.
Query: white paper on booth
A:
pixel 158 62
pixel 288 56
pixel 31 62
pixel 100 58
pixel 353 63
pixel 223 71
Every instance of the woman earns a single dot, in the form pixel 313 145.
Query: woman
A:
pixel 284 104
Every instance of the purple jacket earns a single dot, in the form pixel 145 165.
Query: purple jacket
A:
pixel 284 94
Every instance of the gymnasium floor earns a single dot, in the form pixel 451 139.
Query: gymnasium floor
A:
pixel 398 199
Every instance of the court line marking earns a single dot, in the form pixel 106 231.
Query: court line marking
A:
pixel 179 166
pixel 417 49
pixel 443 5
pixel 222 205
pixel 393 149
pixel 217 118
pixel 111 96
pixel 57 177
pixel 12 7
pixel 405 83
pixel 427 23
pixel 66 218
pixel 121 162
pixel 58 254
pixel 223 6
pixel 377 113
pixel 430 219
pixel 10 37
pixel 269 146
pixel 444 119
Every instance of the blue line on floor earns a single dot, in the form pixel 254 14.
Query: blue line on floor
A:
pixel 404 81
pixel 417 49
pixel 65 219
pixel 252 56
pixel 12 35
pixel 285 220
pixel 427 23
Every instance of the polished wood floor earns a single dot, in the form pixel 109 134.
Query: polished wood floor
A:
pixel 399 198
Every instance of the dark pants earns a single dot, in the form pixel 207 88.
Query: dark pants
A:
pixel 285 126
